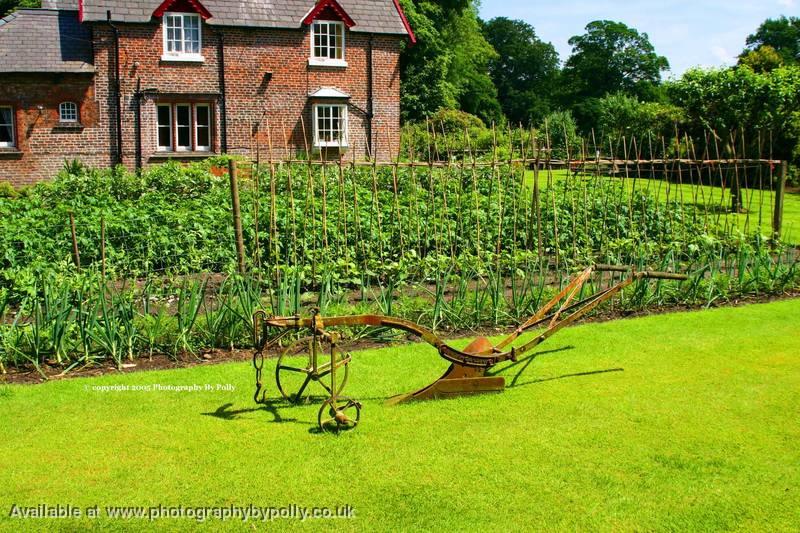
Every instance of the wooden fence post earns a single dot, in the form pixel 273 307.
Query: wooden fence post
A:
pixel 237 215
pixel 76 257
pixel 103 246
pixel 777 214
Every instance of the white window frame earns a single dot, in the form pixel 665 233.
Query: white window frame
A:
pixel 193 127
pixel 68 113
pixel 342 142
pixel 182 55
pixel 13 142
pixel 326 61
pixel 197 146
pixel 161 148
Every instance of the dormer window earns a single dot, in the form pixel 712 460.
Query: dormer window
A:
pixel 182 37
pixel 327 44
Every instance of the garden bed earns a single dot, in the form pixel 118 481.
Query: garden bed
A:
pixel 160 361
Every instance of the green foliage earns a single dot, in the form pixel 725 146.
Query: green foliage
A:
pixel 561 132
pixel 7 190
pixel 781 35
pixel 448 67
pixel 468 72
pixel 9 6
pixel 620 115
pixel 453 120
pixel 729 99
pixel 169 219
pixel 611 57
pixel 762 59
pixel 423 83
pixel 453 134
pixel 453 239
pixel 525 70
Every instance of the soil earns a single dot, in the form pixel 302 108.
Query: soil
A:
pixel 217 356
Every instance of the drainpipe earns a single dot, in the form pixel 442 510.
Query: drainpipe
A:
pixel 223 114
pixel 370 103
pixel 117 87
pixel 138 126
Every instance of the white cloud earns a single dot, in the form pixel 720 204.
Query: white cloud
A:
pixel 787 3
pixel 721 54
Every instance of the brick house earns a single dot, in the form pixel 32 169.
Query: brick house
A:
pixel 141 82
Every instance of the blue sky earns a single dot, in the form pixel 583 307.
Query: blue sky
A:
pixel 688 33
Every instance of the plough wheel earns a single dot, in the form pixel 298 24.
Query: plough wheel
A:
pixel 338 415
pixel 295 372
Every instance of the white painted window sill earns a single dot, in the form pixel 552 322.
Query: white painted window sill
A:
pixel 328 146
pixel 181 154
pixel 183 58
pixel 324 62
pixel 68 124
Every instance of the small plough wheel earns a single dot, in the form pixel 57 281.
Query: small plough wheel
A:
pixel 338 414
pixel 298 368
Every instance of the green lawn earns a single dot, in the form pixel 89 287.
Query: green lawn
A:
pixel 681 422
pixel 760 204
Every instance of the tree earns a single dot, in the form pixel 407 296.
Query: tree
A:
pixel 782 34
pixel 730 99
pixel 524 70
pixel 423 81
pixel 9 6
pixel 761 109
pixel 762 59
pixel 448 67
pixel 469 68
pixel 611 57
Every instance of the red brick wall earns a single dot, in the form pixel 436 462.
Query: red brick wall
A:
pixel 260 113
pixel 42 144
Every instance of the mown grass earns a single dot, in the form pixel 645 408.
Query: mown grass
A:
pixel 681 422
pixel 760 204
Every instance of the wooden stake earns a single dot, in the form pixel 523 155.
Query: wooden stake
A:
pixel 777 215
pixel 76 257
pixel 103 246
pixel 237 215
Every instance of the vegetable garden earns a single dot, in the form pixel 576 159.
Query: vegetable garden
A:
pixel 455 233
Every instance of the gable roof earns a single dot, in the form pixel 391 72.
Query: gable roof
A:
pixel 170 5
pixel 328 5
pixel 44 40
pixel 370 16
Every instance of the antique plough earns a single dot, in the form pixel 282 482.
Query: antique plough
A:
pixel 325 364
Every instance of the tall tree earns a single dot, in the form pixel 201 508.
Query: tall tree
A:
pixel 781 34
pixel 423 81
pixel 448 67
pixel 524 70
pixel 469 68
pixel 612 57
pixel 609 58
